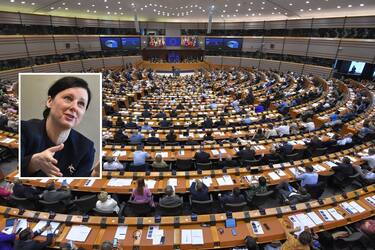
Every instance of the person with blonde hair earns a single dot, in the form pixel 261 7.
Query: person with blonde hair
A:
pixel 159 162
pixel 106 204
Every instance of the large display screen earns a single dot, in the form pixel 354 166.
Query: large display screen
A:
pixel 131 42
pixel 173 41
pixel 109 43
pixel 214 43
pixel 232 44
pixel 356 67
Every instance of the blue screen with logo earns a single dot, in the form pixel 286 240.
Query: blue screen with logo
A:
pixel 232 43
pixel 109 43
pixel 173 41
pixel 131 42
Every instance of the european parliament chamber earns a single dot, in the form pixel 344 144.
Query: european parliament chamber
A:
pixel 224 125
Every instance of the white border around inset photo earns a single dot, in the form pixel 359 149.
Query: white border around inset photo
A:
pixel 37 97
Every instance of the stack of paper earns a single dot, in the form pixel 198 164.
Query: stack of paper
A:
pixel 118 153
pixel 22 224
pixel 42 223
pixel 335 214
pixel 319 168
pixel 119 182
pixel 225 180
pixel 330 164
pixel 150 183
pixel 78 233
pixel 274 176
pixel 280 172
pixel 256 227
pixel 121 232
pixel 172 182
pixel 194 236
pixel 215 152
pixel 223 151
pixel 370 200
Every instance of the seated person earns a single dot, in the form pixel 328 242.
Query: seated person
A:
pixel 6 190
pixel 270 132
pixel 310 177
pixel 199 191
pixel 370 158
pixel 227 163
pixel 171 136
pixel 141 193
pixel 367 226
pixel 170 199
pixel 368 176
pixel 259 134
pixel 106 204
pixel 146 113
pixel 346 139
pixel 190 141
pixel 284 149
pixel 119 122
pixel 208 136
pixel 291 196
pixel 235 197
pixel 24 191
pixel 137 137
pixel 165 123
pixel 7 240
pixel 112 163
pixel 146 127
pixel 309 125
pixel 130 124
pixel 201 156
pixel 283 129
pixel 159 162
pixel 63 194
pixel 120 137
pixel 207 123
pixel 140 157
pixel 247 153
pixel 26 239
pixel 153 139
pixel 256 189
pixel 342 171
pixel 302 242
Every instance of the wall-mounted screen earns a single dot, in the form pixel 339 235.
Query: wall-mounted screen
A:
pixel 173 41
pixel 189 42
pixel 109 43
pixel 232 44
pixel 214 43
pixel 131 42
pixel 356 67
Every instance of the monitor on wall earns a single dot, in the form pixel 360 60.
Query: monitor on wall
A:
pixel 356 67
pixel 131 42
pixel 110 43
pixel 173 41
pixel 212 43
pixel 232 44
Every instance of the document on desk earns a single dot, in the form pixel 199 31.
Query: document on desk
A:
pixel 23 224
pixel 305 220
pixel 370 200
pixel 119 182
pixel 318 168
pixel 294 171
pixel 118 153
pixel 150 183
pixel 172 182
pixel 280 172
pixel 78 233
pixel 156 236
pixel 274 176
pixel 121 232
pixel 197 237
pixel 42 223
pixel 256 227
pixel 315 218
pixel 357 206
pixel 215 152
pixel 185 236
pixel 326 215
pixel 335 214
pixel 223 151
pixel 207 181
pixel 348 208
pixel 163 154
pixel 330 164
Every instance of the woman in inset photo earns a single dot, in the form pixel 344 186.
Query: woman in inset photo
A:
pixel 51 147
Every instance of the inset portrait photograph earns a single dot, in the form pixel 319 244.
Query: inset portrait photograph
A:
pixel 60 125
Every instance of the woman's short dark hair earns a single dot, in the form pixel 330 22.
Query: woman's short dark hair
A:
pixel 251 244
pixel 25 234
pixel 262 181
pixel 67 83
pixel 305 238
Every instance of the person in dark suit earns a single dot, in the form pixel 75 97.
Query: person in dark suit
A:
pixel 199 191
pixel 190 141
pixel 119 122
pixel 221 123
pixel 173 113
pixel 130 124
pixel 171 136
pixel 201 156
pixel 285 149
pixel 165 123
pixel 26 241
pixel 120 137
pixel 153 138
pixel 147 105
pixel 161 114
pixel 233 198
pixel 146 114
pixel 342 172
pixel 247 153
pixel 228 162
pixel 170 199
pixel 53 194
pixel 23 191
pixel 207 123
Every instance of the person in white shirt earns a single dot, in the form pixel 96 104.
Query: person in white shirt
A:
pixel 309 125
pixel 367 175
pixel 112 164
pixel 270 132
pixel 347 139
pixel 283 129
pixel 107 204
pixel 370 158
